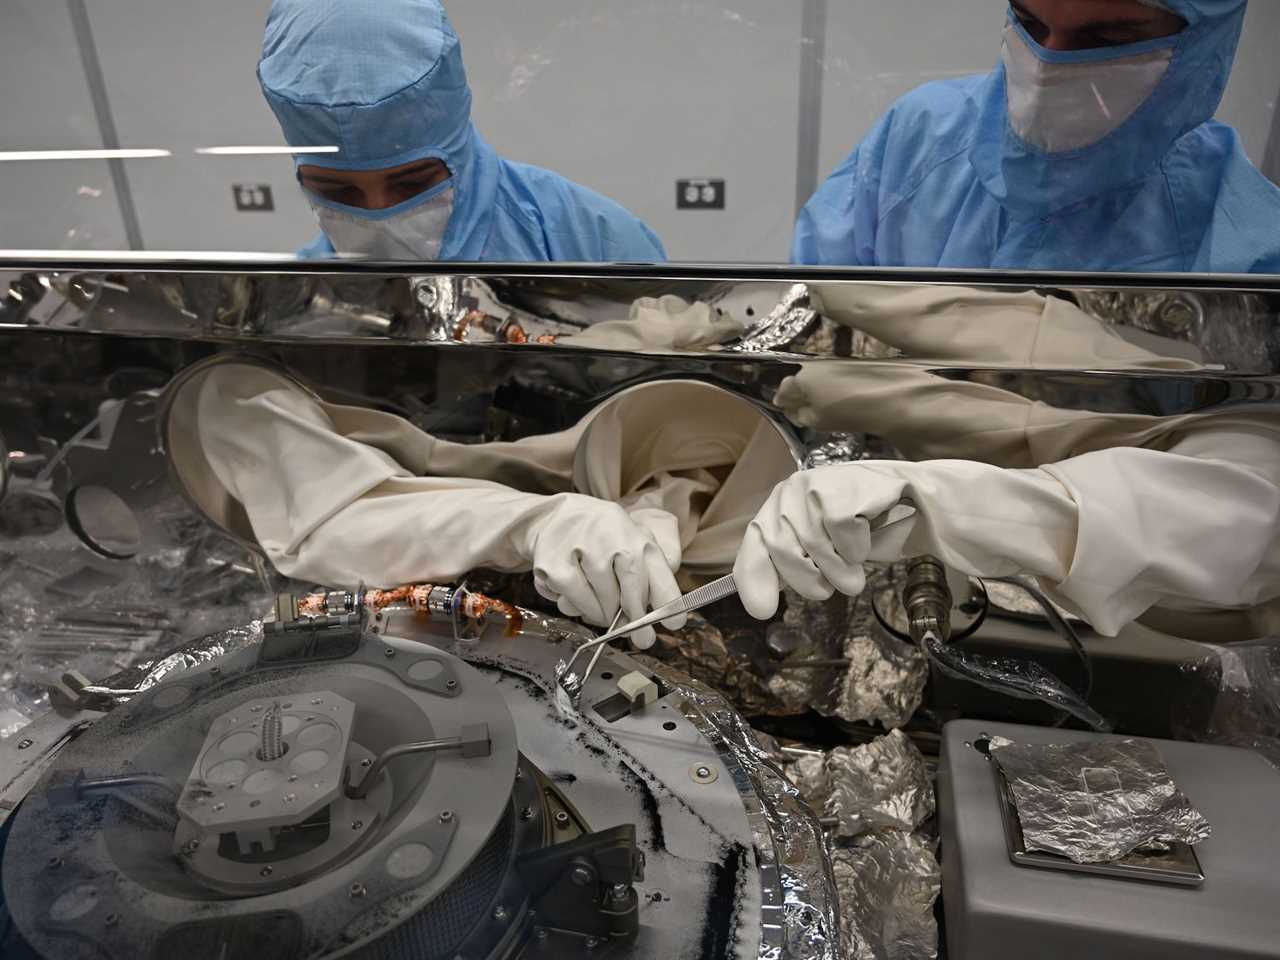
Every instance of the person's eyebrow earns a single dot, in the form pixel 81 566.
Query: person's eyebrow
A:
pixel 426 166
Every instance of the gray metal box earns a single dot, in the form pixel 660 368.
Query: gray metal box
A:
pixel 998 911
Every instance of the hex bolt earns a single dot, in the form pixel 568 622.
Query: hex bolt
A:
pixel 446 816
pixel 704 772
pixel 451 684
pixel 562 819
pixel 266 871
pixel 581 875
pixel 621 891
pixel 357 824
pixel 356 890
pixel 24 743
pixel 500 913
pixel 526 814
pixel 389 652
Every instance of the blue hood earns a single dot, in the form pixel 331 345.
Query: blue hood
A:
pixel 1028 180
pixel 383 81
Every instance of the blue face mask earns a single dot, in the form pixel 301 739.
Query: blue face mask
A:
pixel 412 230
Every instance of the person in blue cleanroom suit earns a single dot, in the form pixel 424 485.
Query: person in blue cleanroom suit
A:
pixel 1091 147
pixel 383 81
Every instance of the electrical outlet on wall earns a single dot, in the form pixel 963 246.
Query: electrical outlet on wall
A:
pixel 251 197
pixel 702 194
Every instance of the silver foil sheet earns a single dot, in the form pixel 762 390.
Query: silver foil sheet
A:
pixel 879 785
pixel 882 784
pixel 789 841
pixel 839 448
pixel 888 883
pixel 1246 710
pixel 1097 801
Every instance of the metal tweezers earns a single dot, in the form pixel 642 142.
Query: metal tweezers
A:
pixel 693 600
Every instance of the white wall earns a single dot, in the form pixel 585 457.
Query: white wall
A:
pixel 625 96
pixel 45 104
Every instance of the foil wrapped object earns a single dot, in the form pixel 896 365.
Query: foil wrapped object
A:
pixel 840 448
pixel 788 837
pixel 888 883
pixel 1096 801
pixel 879 785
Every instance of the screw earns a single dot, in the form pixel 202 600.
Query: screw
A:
pixel 446 816
pixel 526 814
pixel 389 653
pixel 219 807
pixel 591 943
pixel 316 701
pixel 266 871
pixel 356 891
pixel 500 913
pixel 621 891
pixel 451 685
pixel 704 772
pixel 562 819
pixel 357 824
pixel 366 762
pixel 289 797
pixel 24 743
pixel 581 875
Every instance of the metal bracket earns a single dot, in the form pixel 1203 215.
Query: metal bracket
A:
pixel 587 883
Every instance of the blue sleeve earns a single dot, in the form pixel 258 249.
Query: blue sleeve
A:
pixel 838 224
pixel 318 249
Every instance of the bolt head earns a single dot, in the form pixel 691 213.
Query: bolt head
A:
pixel 451 684
pixel 266 871
pixel 446 816
pixel 500 913
pixel 366 762
pixel 356 890
pixel 357 824
pixel 621 891
pixel 219 807
pixel 581 876
pixel 591 943
pixel 24 743
pixel 562 819
pixel 526 814
pixel 389 652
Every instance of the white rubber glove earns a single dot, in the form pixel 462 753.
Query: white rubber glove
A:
pixel 328 508
pixel 1110 534
pixel 667 323
pixel 814 533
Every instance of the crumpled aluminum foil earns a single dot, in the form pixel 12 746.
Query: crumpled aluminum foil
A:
pixel 839 448
pixel 888 883
pixel 1096 801
pixel 879 785
pixel 789 840
pixel 213 646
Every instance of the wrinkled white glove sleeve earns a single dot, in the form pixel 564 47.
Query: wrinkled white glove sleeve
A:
pixel 329 509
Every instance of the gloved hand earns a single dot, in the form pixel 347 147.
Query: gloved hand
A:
pixel 590 558
pixel 820 526
pixel 667 323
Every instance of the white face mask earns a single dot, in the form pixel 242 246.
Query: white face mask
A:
pixel 1060 107
pixel 415 233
